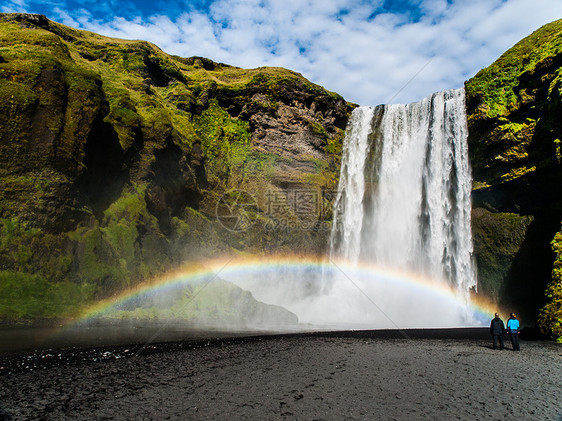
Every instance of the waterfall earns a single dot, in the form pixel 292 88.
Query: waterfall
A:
pixel 404 194
pixel 401 242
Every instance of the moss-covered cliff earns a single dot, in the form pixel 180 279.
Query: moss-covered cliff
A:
pixel 550 318
pixel 515 126
pixel 116 156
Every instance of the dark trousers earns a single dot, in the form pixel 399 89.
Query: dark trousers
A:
pixel 496 337
pixel 514 340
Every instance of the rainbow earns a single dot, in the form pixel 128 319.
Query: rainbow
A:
pixel 240 267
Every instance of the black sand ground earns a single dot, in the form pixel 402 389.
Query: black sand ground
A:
pixel 296 377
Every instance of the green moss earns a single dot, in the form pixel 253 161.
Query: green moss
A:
pixel 333 148
pixel 122 235
pixel 97 262
pixel 15 244
pixel 517 172
pixel 17 100
pixel 477 185
pixel 497 84
pixel 513 110
pixel 34 281
pixel 318 129
pixel 125 119
pixel 225 143
pixel 181 97
pixel 131 205
pixel 550 317
pixel 322 178
pixel 260 164
pixel 122 221
pixel 512 128
pixel 28 249
pixel 29 296
pixel 275 83
pixel 115 253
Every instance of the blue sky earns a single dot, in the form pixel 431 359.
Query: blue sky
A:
pixel 367 51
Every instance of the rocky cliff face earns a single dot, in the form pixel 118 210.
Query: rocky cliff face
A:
pixel 515 127
pixel 117 159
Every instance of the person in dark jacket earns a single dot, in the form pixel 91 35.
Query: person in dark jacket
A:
pixel 513 330
pixel 497 329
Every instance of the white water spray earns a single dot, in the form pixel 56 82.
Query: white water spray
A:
pixel 401 244
pixel 404 192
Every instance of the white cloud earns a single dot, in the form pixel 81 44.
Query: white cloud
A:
pixel 365 59
pixel 65 18
pixel 14 6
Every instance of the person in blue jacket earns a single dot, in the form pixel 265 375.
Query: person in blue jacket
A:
pixel 513 330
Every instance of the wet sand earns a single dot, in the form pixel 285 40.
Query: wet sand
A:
pixel 451 374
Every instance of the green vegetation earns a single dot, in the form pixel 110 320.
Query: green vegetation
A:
pixel 33 279
pixel 225 144
pixel 550 317
pixel 115 155
pixel 57 275
pixel 333 149
pixel 513 109
pixel 497 85
pixel 558 149
pixel 24 296
pixel 517 172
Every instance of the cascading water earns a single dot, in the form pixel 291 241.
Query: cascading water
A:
pixel 404 194
pixel 401 246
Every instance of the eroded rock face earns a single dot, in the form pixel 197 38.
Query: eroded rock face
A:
pixel 288 134
pixel 292 122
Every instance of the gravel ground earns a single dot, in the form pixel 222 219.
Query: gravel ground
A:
pixel 308 377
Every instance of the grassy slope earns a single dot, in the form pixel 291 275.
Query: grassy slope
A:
pixel 513 109
pixel 497 85
pixel 114 156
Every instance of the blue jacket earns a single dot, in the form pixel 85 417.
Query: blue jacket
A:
pixel 513 325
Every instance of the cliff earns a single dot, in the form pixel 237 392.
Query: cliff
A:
pixel 120 162
pixel 514 108
pixel 550 316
